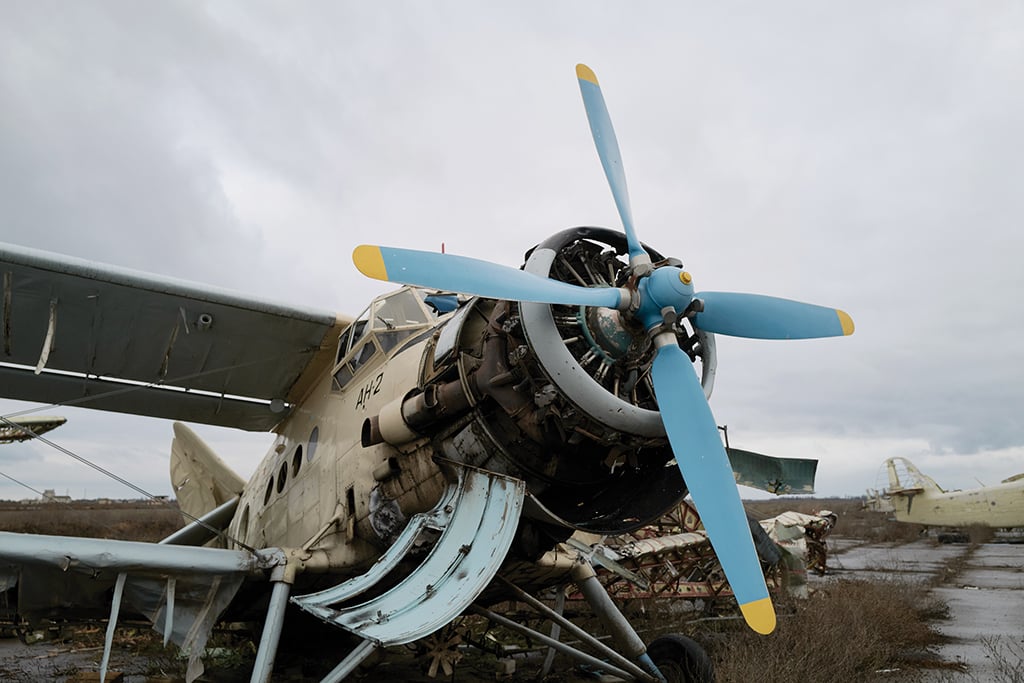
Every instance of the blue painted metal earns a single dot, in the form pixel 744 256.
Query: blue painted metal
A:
pixel 705 466
pixel 766 317
pixel 611 159
pixel 647 663
pixel 484 512
pixel 482 278
pixel 664 288
pixel 444 303
pixel 436 519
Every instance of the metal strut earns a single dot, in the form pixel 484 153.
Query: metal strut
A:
pixel 630 662
pixel 477 518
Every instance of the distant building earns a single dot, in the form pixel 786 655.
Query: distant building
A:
pixel 50 496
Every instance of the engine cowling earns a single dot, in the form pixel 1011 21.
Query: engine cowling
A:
pixel 559 395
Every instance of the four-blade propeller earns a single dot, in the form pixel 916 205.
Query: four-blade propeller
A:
pixel 662 292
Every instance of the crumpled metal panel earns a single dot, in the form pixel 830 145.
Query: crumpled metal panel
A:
pixel 772 474
pixel 69 577
pixel 484 516
pixel 658 545
pixel 197 604
pixel 436 519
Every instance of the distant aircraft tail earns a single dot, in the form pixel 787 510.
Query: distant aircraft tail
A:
pixel 878 501
pixel 904 477
pixel 201 480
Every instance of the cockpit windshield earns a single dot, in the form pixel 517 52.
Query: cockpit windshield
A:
pixel 380 328
pixel 401 309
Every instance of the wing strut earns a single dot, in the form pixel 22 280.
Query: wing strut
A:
pixel 115 608
pixel 271 636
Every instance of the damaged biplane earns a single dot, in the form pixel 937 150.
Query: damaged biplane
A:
pixel 426 450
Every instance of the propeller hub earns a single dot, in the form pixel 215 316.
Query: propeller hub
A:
pixel 667 287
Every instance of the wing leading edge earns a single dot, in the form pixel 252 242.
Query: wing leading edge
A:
pixel 97 336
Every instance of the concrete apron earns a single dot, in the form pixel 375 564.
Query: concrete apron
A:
pixel 986 598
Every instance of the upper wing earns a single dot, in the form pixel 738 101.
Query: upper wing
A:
pixel 75 332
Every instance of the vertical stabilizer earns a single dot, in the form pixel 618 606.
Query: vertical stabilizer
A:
pixel 904 476
pixel 201 480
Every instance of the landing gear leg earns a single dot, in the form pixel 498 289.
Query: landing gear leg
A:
pixel 617 625
pixel 283 576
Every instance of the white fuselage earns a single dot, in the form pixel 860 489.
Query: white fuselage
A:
pixel 999 506
pixel 313 487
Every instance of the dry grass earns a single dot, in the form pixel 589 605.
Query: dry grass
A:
pixel 126 521
pixel 1008 656
pixel 849 631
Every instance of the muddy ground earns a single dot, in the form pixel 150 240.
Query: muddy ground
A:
pixel 982 583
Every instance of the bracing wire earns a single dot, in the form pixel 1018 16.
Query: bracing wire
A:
pixel 4 419
pixel 121 480
pixel 21 483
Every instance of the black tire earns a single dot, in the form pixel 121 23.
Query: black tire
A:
pixel 681 659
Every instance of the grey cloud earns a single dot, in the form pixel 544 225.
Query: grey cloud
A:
pixel 865 157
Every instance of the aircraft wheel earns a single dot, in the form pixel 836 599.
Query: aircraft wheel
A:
pixel 681 659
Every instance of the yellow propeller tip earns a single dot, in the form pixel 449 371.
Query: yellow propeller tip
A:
pixel 584 73
pixel 759 615
pixel 846 321
pixel 370 261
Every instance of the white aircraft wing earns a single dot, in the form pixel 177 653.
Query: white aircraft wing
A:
pixel 74 332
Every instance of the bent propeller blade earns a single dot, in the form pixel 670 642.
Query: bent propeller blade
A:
pixel 472 276
pixel 705 466
pixel 608 149
pixel 767 317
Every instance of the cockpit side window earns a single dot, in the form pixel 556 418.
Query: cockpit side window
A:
pixel 365 349
pixel 349 340
pixel 352 334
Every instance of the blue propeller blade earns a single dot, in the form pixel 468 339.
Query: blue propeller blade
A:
pixel 767 317
pixel 471 276
pixel 608 149
pixel 705 466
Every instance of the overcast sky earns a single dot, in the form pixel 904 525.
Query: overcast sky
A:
pixel 866 156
